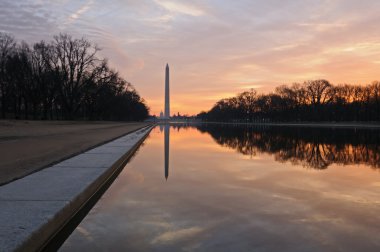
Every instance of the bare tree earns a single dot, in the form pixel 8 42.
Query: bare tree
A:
pixel 318 91
pixel 7 48
pixel 63 78
pixel 76 60
pixel 46 76
pixel 246 101
pixel 315 100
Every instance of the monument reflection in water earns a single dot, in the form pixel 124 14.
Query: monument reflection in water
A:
pixel 166 146
pixel 239 188
pixel 166 129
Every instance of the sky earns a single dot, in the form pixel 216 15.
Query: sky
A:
pixel 215 48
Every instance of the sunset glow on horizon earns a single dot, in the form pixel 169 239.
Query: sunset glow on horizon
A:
pixel 215 49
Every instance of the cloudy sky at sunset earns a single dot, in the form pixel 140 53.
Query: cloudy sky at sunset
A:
pixel 215 48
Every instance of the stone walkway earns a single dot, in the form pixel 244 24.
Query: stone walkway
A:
pixel 28 146
pixel 36 206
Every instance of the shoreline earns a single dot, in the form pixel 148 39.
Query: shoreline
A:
pixel 350 125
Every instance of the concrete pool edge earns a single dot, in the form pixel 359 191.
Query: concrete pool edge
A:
pixel 54 220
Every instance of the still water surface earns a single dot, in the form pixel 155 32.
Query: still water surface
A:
pixel 228 188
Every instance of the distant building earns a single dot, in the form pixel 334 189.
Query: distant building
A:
pixel 161 115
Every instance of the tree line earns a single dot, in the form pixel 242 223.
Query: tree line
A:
pixel 63 79
pixel 314 100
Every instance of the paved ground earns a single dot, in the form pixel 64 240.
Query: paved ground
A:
pixel 28 146
pixel 35 207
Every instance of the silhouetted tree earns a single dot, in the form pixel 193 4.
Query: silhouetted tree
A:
pixel 63 79
pixel 7 49
pixel 316 100
pixel 76 63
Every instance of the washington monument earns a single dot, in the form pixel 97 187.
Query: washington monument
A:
pixel 167 98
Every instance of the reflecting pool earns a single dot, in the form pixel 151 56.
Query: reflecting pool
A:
pixel 215 187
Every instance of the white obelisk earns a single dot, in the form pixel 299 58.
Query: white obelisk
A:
pixel 167 98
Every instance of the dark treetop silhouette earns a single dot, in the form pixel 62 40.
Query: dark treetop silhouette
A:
pixel 316 100
pixel 63 79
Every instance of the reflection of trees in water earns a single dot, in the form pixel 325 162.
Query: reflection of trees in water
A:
pixel 311 147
